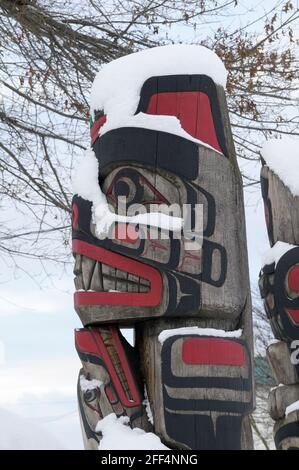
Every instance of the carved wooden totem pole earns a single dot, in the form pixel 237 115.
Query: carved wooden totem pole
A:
pixel 279 286
pixel 190 307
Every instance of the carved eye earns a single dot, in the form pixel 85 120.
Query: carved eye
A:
pixel 90 395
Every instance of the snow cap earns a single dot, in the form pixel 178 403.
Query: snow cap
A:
pixel 116 88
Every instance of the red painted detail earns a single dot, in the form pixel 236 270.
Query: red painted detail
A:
pixel 75 216
pixel 152 298
pixel 90 342
pixel 192 108
pixel 266 210
pixel 127 233
pixel 293 279
pixel 95 129
pixel 294 314
pixel 213 351
pixel 109 392
pixel 190 255
pixel 85 342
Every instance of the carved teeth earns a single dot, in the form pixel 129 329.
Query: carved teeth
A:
pixel 78 281
pixel 92 275
pixel 88 265
pixel 96 283
pixel 108 277
pixel 78 264
pixel 133 285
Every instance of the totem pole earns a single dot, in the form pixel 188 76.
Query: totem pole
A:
pixel 279 287
pixel 161 135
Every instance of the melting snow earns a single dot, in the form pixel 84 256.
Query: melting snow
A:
pixel 85 184
pixel 274 254
pixel 194 330
pixel 86 384
pixel 293 407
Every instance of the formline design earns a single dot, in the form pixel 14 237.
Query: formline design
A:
pixel 190 309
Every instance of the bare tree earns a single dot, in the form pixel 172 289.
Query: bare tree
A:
pixel 50 52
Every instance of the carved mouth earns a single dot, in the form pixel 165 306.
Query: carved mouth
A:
pixel 95 276
pixel 99 273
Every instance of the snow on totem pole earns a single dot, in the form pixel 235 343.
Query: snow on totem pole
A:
pixel 279 283
pixel 161 138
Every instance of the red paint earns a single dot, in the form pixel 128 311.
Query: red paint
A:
pixel 294 314
pixel 126 233
pixel 293 279
pixel 75 216
pixel 192 108
pixel 213 351
pixel 95 129
pixel 90 341
pixel 152 298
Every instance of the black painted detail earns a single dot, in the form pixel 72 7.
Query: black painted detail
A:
pixel 210 210
pixel 208 250
pixel 268 208
pixel 288 430
pixel 90 434
pixel 147 147
pixel 204 423
pixel 191 295
pixel 198 432
pixel 171 380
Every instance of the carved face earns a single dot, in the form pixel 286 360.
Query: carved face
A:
pixel 279 287
pixel 107 383
pixel 129 277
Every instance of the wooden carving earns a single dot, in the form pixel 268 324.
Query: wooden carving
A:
pixel 191 308
pixel 279 286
